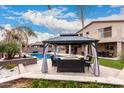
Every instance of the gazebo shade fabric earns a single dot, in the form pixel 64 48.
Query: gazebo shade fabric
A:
pixel 69 39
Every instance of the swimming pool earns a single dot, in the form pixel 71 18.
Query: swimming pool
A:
pixel 38 55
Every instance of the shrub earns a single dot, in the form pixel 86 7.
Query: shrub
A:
pixel 2 46
pixel 10 66
pixel 11 48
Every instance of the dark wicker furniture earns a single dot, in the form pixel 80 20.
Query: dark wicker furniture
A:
pixel 88 61
pixel 53 59
pixel 70 65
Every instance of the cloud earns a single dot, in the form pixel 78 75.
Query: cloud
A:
pixel 54 12
pixel 21 21
pixel 6 26
pixel 70 14
pixel 3 7
pixel 1 34
pixel 14 12
pixel 10 17
pixel 40 37
pixel 51 19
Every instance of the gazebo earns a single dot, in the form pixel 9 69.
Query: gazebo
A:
pixel 72 39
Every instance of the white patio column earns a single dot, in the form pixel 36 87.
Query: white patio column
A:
pixel 85 51
pixel 119 48
pixel 96 69
pixel 58 49
pixel 55 50
pixel 44 68
pixel 70 50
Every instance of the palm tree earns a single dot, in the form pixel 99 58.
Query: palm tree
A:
pixel 20 33
pixel 81 12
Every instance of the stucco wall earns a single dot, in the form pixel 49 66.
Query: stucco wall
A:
pixel 117 31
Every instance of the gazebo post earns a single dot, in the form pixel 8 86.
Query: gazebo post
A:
pixel 70 50
pixel 96 69
pixel 44 68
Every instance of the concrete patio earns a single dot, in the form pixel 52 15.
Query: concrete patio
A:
pixel 105 71
pixel 107 76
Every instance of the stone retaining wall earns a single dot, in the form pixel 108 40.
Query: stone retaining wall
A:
pixel 24 61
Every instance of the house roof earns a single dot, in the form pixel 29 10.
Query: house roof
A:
pixel 70 39
pixel 100 21
pixel 36 43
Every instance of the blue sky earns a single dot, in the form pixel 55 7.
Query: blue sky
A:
pixel 61 19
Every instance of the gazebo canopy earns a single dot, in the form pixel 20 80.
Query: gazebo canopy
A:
pixel 70 39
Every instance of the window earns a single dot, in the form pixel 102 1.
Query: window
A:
pixel 41 45
pixel 81 34
pixel 87 33
pixel 50 46
pixel 105 32
pixel 109 47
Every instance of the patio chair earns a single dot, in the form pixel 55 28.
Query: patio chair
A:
pixel 88 61
pixel 53 59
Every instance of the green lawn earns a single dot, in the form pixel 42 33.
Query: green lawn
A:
pixel 111 63
pixel 69 84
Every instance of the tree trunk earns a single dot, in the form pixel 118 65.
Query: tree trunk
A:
pixel 20 53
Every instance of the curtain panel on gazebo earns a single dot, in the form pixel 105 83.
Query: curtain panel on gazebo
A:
pixel 96 69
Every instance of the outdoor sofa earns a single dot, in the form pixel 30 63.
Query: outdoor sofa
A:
pixel 70 65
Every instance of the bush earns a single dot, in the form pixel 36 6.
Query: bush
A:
pixel 10 66
pixel 2 46
pixel 11 48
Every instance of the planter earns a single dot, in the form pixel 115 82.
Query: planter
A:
pixel 24 61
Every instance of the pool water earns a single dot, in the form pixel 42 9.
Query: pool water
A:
pixel 38 55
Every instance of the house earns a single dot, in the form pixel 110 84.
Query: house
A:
pixel 110 34
pixel 37 47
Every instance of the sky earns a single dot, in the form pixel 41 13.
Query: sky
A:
pixel 60 19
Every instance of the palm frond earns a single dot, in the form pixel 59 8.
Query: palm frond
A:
pixel 28 30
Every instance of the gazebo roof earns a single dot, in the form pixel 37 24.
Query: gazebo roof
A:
pixel 70 39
